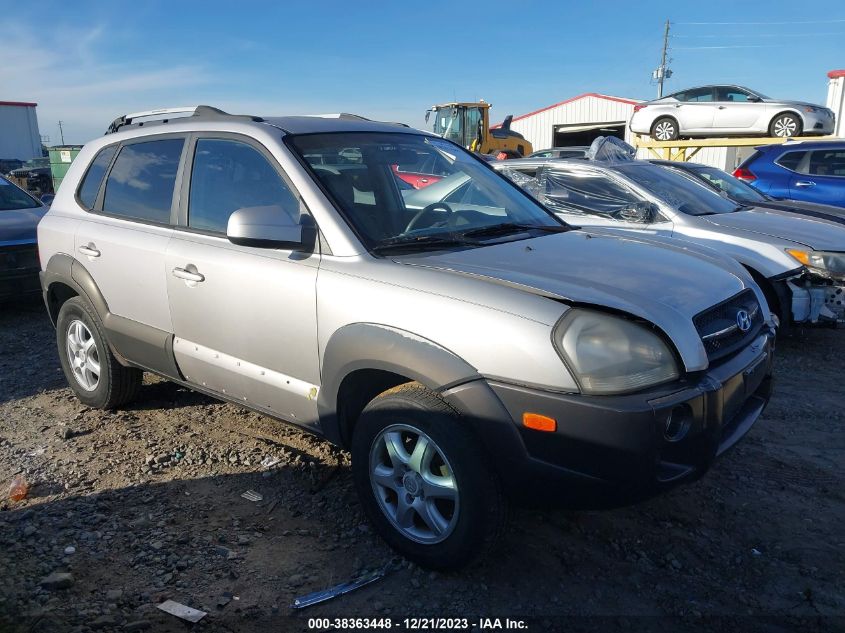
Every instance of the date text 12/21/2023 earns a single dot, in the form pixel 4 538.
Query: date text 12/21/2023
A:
pixel 417 624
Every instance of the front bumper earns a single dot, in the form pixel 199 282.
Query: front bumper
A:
pixel 637 444
pixel 19 271
pixel 818 122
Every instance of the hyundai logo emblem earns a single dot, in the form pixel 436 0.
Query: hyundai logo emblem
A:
pixel 743 321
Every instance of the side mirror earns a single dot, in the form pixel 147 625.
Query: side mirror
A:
pixel 754 99
pixel 639 212
pixel 270 227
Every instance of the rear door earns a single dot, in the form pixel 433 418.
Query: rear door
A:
pixel 244 318
pixel 123 240
pixel 821 177
pixel 695 109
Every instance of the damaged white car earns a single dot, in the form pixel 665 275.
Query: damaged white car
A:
pixel 798 261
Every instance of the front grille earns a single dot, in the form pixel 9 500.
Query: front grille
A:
pixel 719 327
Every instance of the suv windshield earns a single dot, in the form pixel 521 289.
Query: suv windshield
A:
pixel 12 197
pixel 678 191
pixel 734 187
pixel 471 201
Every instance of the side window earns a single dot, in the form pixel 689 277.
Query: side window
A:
pixel 140 184
pixel 230 175
pixel 729 93
pixel 828 162
pixel 584 191
pixel 791 160
pixel 93 178
pixel 696 95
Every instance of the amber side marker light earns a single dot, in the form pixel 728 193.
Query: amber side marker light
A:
pixel 539 422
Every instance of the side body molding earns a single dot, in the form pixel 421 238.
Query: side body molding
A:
pixel 372 346
pixel 132 342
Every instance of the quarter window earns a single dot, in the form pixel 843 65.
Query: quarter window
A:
pixel 231 175
pixel 140 184
pixel 791 160
pixel 94 177
pixel 696 95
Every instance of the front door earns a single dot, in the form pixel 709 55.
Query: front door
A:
pixel 735 111
pixel 244 318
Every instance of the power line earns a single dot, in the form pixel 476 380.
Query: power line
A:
pixel 701 48
pixel 757 23
pixel 756 35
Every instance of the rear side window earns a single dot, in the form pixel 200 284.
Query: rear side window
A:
pixel 140 184
pixel 230 175
pixel 94 176
pixel 790 160
pixel 828 162
pixel 696 95
pixel 584 190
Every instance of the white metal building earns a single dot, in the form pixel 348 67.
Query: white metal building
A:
pixel 579 120
pixel 19 136
pixel 836 99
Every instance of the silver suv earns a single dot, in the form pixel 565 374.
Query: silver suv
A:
pixel 466 351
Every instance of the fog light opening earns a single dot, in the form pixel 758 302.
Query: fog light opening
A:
pixel 678 423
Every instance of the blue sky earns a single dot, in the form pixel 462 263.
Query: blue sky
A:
pixel 86 63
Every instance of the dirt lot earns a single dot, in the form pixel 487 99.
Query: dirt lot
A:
pixel 149 498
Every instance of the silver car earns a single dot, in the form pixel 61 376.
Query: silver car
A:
pixel 798 260
pixel 727 110
pixel 466 351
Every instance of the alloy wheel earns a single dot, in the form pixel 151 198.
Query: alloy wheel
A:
pixel 414 484
pixel 83 355
pixel 664 131
pixel 785 126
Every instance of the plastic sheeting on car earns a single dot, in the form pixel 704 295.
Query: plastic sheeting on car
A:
pixel 610 149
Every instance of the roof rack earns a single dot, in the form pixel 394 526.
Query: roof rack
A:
pixel 164 115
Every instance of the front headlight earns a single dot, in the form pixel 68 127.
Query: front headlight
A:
pixel 821 262
pixel 609 354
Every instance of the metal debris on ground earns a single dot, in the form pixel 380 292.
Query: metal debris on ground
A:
pixel 269 461
pixel 251 495
pixel 362 580
pixel 182 611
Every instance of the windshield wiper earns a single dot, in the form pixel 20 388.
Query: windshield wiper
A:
pixel 513 227
pixel 420 242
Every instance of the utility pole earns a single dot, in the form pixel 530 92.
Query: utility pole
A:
pixel 62 133
pixel 662 72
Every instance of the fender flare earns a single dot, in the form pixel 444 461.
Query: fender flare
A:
pixel 65 269
pixel 374 346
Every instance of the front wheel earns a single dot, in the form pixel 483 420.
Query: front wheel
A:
pixel 785 126
pixel 424 481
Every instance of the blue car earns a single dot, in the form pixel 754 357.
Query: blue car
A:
pixel 19 216
pixel 812 171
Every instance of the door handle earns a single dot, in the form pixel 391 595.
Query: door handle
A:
pixel 805 183
pixel 187 275
pixel 721 107
pixel 90 250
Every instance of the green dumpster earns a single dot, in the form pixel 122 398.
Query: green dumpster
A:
pixel 61 157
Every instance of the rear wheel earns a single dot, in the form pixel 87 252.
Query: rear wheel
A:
pixel 91 369
pixel 665 129
pixel 423 479
pixel 785 125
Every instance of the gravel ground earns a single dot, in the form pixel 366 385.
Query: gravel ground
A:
pixel 133 507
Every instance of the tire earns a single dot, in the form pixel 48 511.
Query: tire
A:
pixel 665 129
pixel 90 368
pixel 451 519
pixel 786 125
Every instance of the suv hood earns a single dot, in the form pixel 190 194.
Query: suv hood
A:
pixel 818 233
pixel 662 283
